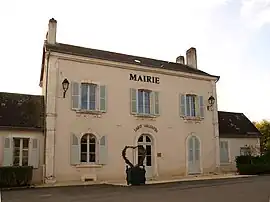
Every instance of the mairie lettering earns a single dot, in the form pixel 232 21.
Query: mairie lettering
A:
pixel 144 78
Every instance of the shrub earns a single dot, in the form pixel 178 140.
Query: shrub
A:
pixel 15 176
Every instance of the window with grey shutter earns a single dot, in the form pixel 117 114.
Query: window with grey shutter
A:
pixel 8 151
pixel 201 106
pixel 182 105
pixel 156 103
pixel 74 150
pixel 133 101
pixel 102 98
pixel 75 95
pixel 103 150
pixel 34 158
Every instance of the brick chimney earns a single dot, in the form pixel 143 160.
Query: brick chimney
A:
pixel 51 34
pixel 180 59
pixel 191 57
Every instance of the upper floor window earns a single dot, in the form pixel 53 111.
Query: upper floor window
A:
pixel 191 105
pixel 89 97
pixel 144 102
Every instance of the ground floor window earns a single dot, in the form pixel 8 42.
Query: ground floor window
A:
pixel 244 151
pixel 20 151
pixel 88 148
pixel 224 152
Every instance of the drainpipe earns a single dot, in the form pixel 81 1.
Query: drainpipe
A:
pixel 45 122
pixel 215 126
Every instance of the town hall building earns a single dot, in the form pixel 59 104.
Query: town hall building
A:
pixel 98 102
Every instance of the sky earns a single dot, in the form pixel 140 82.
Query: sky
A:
pixel 232 38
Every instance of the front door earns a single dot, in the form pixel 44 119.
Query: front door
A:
pixel 145 141
pixel 194 166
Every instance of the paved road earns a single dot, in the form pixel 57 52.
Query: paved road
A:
pixel 254 189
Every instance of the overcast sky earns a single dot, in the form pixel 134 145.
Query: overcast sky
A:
pixel 232 38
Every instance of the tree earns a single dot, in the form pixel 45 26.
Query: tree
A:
pixel 264 127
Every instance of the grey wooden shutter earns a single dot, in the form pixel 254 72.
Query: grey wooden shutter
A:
pixel 75 95
pixel 103 150
pixel 182 105
pixel 74 149
pixel 34 154
pixel 133 101
pixel 156 102
pixel 103 98
pixel 8 151
pixel 201 106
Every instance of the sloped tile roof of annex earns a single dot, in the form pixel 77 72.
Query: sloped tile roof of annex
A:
pixel 236 125
pixel 21 111
pixel 119 57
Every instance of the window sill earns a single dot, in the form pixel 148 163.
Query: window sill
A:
pixel 226 164
pixel 192 118
pixel 88 166
pixel 145 115
pixel 95 112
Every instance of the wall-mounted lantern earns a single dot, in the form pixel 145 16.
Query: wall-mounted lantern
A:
pixel 211 102
pixel 65 85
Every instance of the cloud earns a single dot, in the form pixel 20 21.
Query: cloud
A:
pixel 255 13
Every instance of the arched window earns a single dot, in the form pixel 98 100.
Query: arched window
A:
pixel 88 148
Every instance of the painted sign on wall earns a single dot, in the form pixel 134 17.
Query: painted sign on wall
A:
pixel 144 78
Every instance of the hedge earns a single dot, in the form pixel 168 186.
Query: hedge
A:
pixel 253 165
pixel 15 176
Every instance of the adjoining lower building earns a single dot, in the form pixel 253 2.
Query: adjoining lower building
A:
pixel 22 132
pixel 238 136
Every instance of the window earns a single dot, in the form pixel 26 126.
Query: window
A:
pixel 144 102
pixel 191 105
pixel 88 97
pixel 224 151
pixel 245 151
pixel 20 151
pixel 88 148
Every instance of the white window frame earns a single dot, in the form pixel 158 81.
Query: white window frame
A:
pixel 21 150
pixel 144 107
pixel 189 104
pixel 88 150
pixel 88 96
pixel 246 152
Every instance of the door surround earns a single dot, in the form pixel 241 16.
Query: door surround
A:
pixel 187 152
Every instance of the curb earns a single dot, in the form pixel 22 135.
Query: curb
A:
pixel 189 183
pixel 51 186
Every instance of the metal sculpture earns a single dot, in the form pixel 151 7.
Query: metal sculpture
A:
pixel 135 173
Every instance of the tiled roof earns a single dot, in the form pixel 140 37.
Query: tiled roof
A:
pixel 21 111
pixel 119 57
pixel 233 124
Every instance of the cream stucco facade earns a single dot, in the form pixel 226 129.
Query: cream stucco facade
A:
pixel 169 138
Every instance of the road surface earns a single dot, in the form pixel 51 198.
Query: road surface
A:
pixel 253 189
